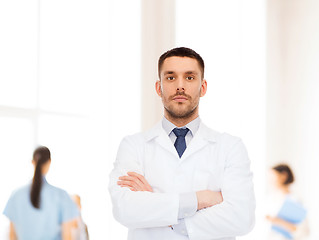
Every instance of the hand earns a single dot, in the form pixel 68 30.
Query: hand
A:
pixel 282 223
pixel 208 198
pixel 271 218
pixel 135 182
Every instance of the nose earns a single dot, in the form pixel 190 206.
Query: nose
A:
pixel 180 85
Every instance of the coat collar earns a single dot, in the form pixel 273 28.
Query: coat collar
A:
pixel 203 137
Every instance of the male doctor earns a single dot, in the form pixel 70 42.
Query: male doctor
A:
pixel 181 180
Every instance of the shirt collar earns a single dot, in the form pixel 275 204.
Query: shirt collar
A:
pixel 44 180
pixel 192 126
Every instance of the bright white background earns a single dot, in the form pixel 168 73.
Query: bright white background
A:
pixel 71 79
pixel 230 36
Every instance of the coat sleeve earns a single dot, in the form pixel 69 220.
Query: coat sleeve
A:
pixel 235 216
pixel 139 209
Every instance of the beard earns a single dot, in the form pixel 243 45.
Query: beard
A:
pixel 181 110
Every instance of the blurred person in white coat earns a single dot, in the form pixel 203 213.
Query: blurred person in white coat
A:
pixel 181 179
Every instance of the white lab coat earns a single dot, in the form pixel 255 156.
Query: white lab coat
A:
pixel 212 160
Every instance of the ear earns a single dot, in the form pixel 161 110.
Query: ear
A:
pixel 203 88
pixel 158 88
pixel 283 177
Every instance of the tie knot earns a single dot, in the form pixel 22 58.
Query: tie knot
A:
pixel 180 132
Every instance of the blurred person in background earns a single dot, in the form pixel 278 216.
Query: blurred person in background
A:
pixel 286 214
pixel 79 229
pixel 40 211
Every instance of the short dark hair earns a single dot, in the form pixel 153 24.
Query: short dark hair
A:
pixel 284 168
pixel 181 52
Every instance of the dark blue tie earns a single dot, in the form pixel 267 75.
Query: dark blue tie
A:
pixel 180 143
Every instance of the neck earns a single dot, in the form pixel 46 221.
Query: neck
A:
pixel 180 122
pixel 285 189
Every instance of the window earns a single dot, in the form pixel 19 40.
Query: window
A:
pixel 69 80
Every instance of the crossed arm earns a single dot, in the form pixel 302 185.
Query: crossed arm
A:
pixel 222 214
pixel 137 182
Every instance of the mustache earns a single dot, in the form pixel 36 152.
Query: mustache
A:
pixel 180 93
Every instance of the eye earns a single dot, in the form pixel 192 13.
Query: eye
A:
pixel 170 78
pixel 190 78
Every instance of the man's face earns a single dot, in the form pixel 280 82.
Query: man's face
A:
pixel 180 86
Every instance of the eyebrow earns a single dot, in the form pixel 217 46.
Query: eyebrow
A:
pixel 172 72
pixel 168 72
pixel 191 72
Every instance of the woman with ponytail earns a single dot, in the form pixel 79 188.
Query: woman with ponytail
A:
pixel 40 211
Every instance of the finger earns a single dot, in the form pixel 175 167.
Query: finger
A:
pixel 134 179
pixel 131 178
pixel 139 176
pixel 147 186
pixel 129 184
pixel 131 188
pixel 221 199
pixel 127 178
pixel 142 179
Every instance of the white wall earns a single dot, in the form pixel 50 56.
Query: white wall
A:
pixel 70 80
pixel 292 95
pixel 230 36
pixel 158 35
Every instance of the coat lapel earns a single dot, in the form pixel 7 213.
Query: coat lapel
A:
pixel 203 137
pixel 161 138
pixel 164 141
